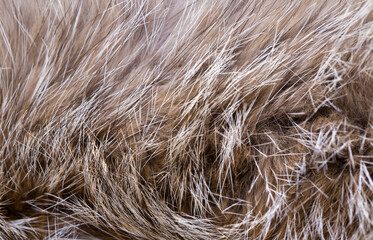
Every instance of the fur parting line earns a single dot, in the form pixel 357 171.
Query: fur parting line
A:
pixel 186 119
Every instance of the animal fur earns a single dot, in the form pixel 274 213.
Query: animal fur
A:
pixel 173 119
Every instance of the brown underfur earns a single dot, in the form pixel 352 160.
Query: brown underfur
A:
pixel 172 119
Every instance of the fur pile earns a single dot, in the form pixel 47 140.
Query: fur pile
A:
pixel 186 119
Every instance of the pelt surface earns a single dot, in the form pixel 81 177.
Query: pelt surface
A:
pixel 173 119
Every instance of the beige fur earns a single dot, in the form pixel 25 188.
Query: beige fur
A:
pixel 173 119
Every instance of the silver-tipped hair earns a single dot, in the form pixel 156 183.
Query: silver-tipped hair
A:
pixel 181 119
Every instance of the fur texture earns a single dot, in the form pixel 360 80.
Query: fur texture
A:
pixel 173 119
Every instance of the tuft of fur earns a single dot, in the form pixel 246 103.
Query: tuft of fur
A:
pixel 173 119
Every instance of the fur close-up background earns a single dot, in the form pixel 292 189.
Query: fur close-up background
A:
pixel 186 119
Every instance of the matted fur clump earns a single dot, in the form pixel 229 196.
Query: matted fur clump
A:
pixel 173 119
